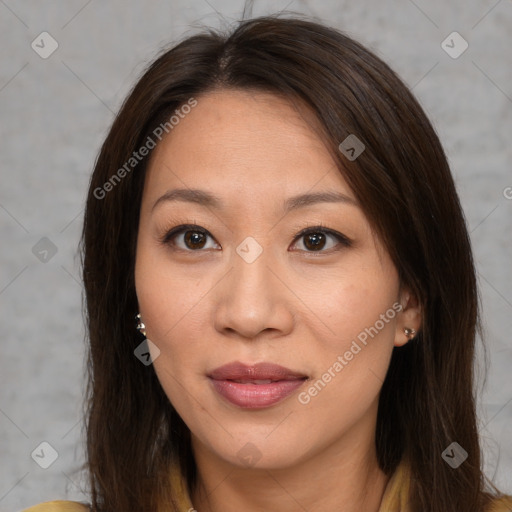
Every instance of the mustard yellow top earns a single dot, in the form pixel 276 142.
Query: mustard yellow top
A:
pixel 394 499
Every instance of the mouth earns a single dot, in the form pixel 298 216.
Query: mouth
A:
pixel 255 386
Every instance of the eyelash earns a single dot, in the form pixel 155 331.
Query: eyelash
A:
pixel 183 228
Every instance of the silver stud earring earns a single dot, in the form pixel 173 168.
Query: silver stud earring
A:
pixel 409 332
pixel 140 324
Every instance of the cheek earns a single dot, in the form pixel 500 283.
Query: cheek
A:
pixel 355 325
pixel 169 297
pixel 352 299
pixel 171 307
pixel 363 313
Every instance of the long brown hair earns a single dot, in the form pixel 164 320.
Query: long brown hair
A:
pixel 405 187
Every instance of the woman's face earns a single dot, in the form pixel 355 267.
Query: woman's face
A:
pixel 243 287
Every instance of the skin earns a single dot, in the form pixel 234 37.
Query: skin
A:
pixel 294 306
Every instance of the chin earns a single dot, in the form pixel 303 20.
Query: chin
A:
pixel 261 450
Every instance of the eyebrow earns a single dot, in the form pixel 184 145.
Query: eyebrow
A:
pixel 208 199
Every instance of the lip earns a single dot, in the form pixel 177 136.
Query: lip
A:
pixel 255 386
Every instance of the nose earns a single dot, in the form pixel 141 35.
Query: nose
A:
pixel 252 301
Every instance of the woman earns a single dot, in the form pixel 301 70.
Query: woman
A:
pixel 274 214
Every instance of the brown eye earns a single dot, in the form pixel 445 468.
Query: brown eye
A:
pixel 314 241
pixel 189 238
pixel 318 239
pixel 195 239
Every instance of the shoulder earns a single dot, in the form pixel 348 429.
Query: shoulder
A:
pixel 502 504
pixel 58 506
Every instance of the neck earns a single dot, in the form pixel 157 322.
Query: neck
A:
pixel 341 479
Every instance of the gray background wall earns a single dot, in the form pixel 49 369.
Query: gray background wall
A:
pixel 56 111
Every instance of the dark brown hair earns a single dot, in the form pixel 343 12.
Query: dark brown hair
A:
pixel 404 184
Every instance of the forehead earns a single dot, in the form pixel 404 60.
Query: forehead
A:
pixel 245 142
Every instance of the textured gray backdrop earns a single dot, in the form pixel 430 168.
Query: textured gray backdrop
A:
pixel 55 111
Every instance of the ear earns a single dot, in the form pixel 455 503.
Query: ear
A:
pixel 408 318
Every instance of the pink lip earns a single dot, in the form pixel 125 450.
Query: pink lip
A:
pixel 250 393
